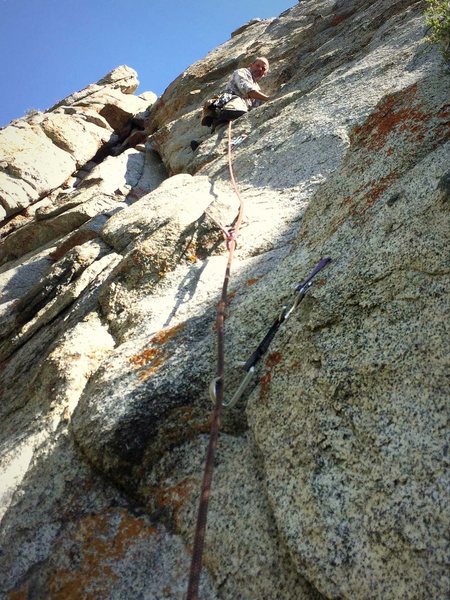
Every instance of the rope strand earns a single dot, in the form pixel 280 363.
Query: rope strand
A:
pixel 200 530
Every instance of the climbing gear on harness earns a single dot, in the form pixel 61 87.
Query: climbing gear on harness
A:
pixel 249 366
pixel 209 112
pixel 223 108
pixel 228 110
pixel 200 529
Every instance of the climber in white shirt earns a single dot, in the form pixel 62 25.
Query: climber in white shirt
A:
pixel 244 82
pixel 241 94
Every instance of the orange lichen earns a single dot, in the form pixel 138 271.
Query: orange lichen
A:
pixel 400 112
pixel 191 253
pixel 156 356
pixel 144 375
pixel 373 132
pixel 98 543
pixel 265 386
pixel 165 335
pixel 273 359
pixel 252 281
pixel 21 594
pixel 176 495
pixel 171 498
pixel 144 357
pixel 154 368
pixel 393 138
pixel 445 112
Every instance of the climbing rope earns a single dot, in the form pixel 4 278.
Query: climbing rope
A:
pixel 217 385
pixel 200 530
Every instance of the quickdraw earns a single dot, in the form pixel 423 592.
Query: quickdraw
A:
pixel 249 366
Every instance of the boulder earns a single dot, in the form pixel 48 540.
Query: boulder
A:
pixel 32 235
pixel 35 165
pixel 123 79
pixel 75 135
pixel 40 152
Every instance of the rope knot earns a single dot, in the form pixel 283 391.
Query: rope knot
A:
pixel 231 236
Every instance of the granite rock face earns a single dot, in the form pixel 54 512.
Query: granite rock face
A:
pixel 40 152
pixel 331 478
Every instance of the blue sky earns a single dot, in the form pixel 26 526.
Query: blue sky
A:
pixel 51 48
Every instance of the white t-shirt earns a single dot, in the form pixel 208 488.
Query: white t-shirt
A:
pixel 241 83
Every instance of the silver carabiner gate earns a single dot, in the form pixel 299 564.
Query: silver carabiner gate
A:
pixel 237 394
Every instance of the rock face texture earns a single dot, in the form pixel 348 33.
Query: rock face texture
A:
pixel 331 478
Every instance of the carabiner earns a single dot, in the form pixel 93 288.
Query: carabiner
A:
pixel 241 389
pixel 212 389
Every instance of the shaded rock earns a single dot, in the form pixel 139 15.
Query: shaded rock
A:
pixel 32 235
pixel 19 374
pixel 133 172
pixel 117 109
pixel 156 233
pixel 17 277
pixel 62 376
pixel 16 194
pixel 255 562
pixel 59 288
pixel 86 537
pixel 151 175
pixel 358 476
